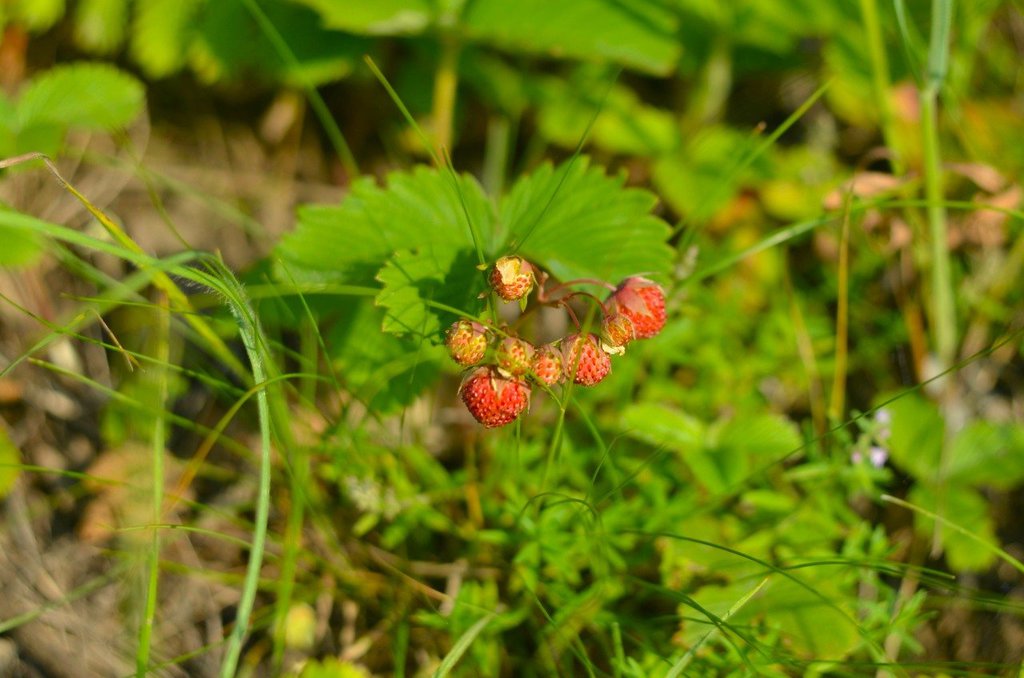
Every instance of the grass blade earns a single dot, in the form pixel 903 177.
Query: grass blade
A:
pixel 460 647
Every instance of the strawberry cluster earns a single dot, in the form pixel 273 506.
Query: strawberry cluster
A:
pixel 496 388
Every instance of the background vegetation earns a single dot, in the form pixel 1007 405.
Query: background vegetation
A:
pixel 234 230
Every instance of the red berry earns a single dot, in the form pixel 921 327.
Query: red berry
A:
pixel 547 365
pixel 492 399
pixel 466 342
pixel 584 358
pixel 616 331
pixel 642 301
pixel 514 356
pixel 512 278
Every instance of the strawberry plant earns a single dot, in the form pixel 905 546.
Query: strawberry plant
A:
pixel 647 338
pixel 573 221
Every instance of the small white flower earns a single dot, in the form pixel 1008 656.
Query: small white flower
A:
pixel 878 456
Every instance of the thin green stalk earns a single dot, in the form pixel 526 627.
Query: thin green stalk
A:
pixel 446 83
pixel 880 79
pixel 943 310
pixel 316 102
pixel 684 661
pixel 496 154
pixel 159 441
pixel 125 247
pixel 842 352
pixel 959 529
pixel 250 332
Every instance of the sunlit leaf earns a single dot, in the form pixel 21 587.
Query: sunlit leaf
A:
pixel 639 34
pixel 84 95
pixel 37 15
pixel 375 17
pixel 100 24
pixel 578 222
pixel 413 209
pixel 624 124
pixel 414 281
pixel 385 371
pixel 964 507
pixel 987 453
pixel 231 43
pixel 20 247
pixel 161 34
pixel 917 431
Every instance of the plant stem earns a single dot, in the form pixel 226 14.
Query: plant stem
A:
pixel 838 400
pixel 943 314
pixel 446 82
pixel 880 79
pixel 943 310
pixel 249 329
pixel 163 324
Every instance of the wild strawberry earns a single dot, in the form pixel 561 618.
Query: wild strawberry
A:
pixel 616 331
pixel 514 356
pixel 492 399
pixel 642 301
pixel 547 365
pixel 466 342
pixel 512 278
pixel 584 359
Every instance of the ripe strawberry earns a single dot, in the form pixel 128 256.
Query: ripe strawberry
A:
pixel 492 399
pixel 514 356
pixel 512 278
pixel 616 331
pixel 584 358
pixel 466 342
pixel 642 301
pixel 547 365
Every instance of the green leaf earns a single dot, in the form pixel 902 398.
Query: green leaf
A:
pixel 418 283
pixel 331 667
pixel 702 177
pixel 10 459
pixel 966 508
pixel 231 43
pixel 85 95
pixel 415 209
pixel 375 17
pixel 765 437
pixel 917 432
pixel 752 440
pixel 625 125
pixel 639 34
pixel 984 453
pixel 461 645
pixel 385 371
pixel 801 616
pixel 162 33
pixel 36 15
pixel 100 24
pixel 578 222
pixel 662 426
pixel 21 248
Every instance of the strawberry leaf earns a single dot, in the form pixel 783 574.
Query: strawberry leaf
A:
pixel 351 241
pixel 412 236
pixel 83 95
pixel 640 34
pixel 422 289
pixel 375 17
pixel 577 222
pixel 384 371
